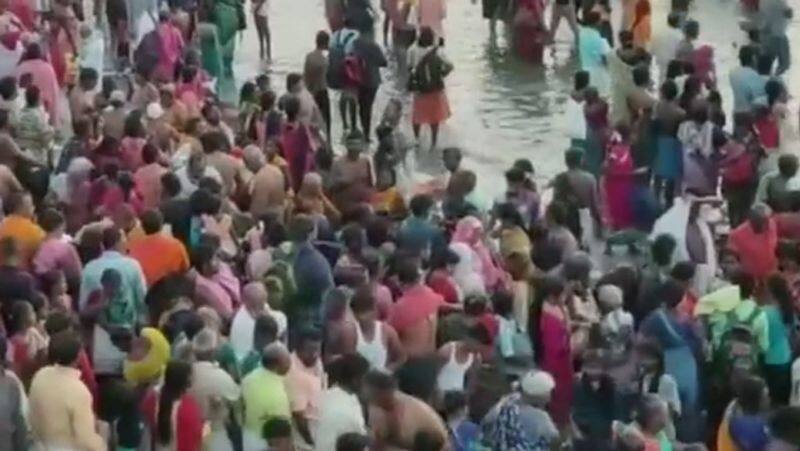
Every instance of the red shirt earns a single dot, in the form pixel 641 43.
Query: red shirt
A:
pixel 756 251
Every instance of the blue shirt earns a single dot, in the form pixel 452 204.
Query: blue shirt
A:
pixel 747 86
pixel 133 284
pixel 779 352
pixel 417 235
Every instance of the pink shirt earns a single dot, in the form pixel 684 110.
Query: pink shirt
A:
pixel 432 14
pixel 148 183
pixel 304 386
pixel 57 254
pixel 220 291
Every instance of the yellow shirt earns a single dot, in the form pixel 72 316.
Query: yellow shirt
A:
pixel 265 397
pixel 61 410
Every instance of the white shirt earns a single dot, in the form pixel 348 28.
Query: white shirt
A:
pixel 576 121
pixel 665 47
pixel 339 413
pixel 188 186
pixel 210 385
pixel 243 327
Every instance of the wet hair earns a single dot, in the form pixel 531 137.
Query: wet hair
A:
pixel 453 401
pixel 322 40
pixel 81 126
pixel 8 87
pixel 515 175
pixel 32 96
pixel 4 119
pixel 347 370
pixel 745 282
pixel 691 29
pixel 202 255
pixel 177 378
pixel 747 55
pixel 641 76
pixel 203 201
pixel 764 64
pixel 149 153
pixel 265 331
pixel 781 292
pixel 213 141
pixel 750 394
pixel 171 184
pixel 291 106
pixel 591 18
pixel 408 271
pixel 426 37
pixel 112 236
pixel 15 202
pixel 352 441
pixel 573 158
pixel 421 205
pixel 662 249
pixel 363 300
pixel 774 89
pixel 581 80
pixel 669 90
pixel 675 68
pixel 381 381
pixel 88 75
pixel 63 348
pixel 267 100
pixel 152 221
pixel 671 293
pixel 558 212
pixel 787 165
pixel 508 212
pixel 308 335
pixel 674 20
pixel 683 271
pixel 32 52
pixel 276 428
pixel 248 92
pixel 134 127
pixel 292 80
pixel 51 219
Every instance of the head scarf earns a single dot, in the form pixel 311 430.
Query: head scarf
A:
pixel 469 231
pixel 467 272
pixel 151 366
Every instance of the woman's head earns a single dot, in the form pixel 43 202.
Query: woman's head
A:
pixel 177 379
pixel 32 52
pixel 134 125
pixel 552 290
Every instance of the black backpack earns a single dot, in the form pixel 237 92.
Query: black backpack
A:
pixel 429 74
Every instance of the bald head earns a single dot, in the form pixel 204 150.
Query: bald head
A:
pixel 276 358
pixel 254 298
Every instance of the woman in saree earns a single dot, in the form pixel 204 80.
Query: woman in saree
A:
pixel 210 50
pixel 226 15
pixel 469 231
pixel 679 340
pixel 618 183
pixel 173 416
pixel 596 112
pixel 171 48
pixel 530 32
pixel 550 333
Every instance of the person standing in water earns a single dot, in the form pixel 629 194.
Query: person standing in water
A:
pixel 430 100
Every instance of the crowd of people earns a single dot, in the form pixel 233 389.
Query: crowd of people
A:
pixel 179 273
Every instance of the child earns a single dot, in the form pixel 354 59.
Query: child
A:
pixel 54 286
pixel 616 325
pixel 28 344
pixel 618 179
